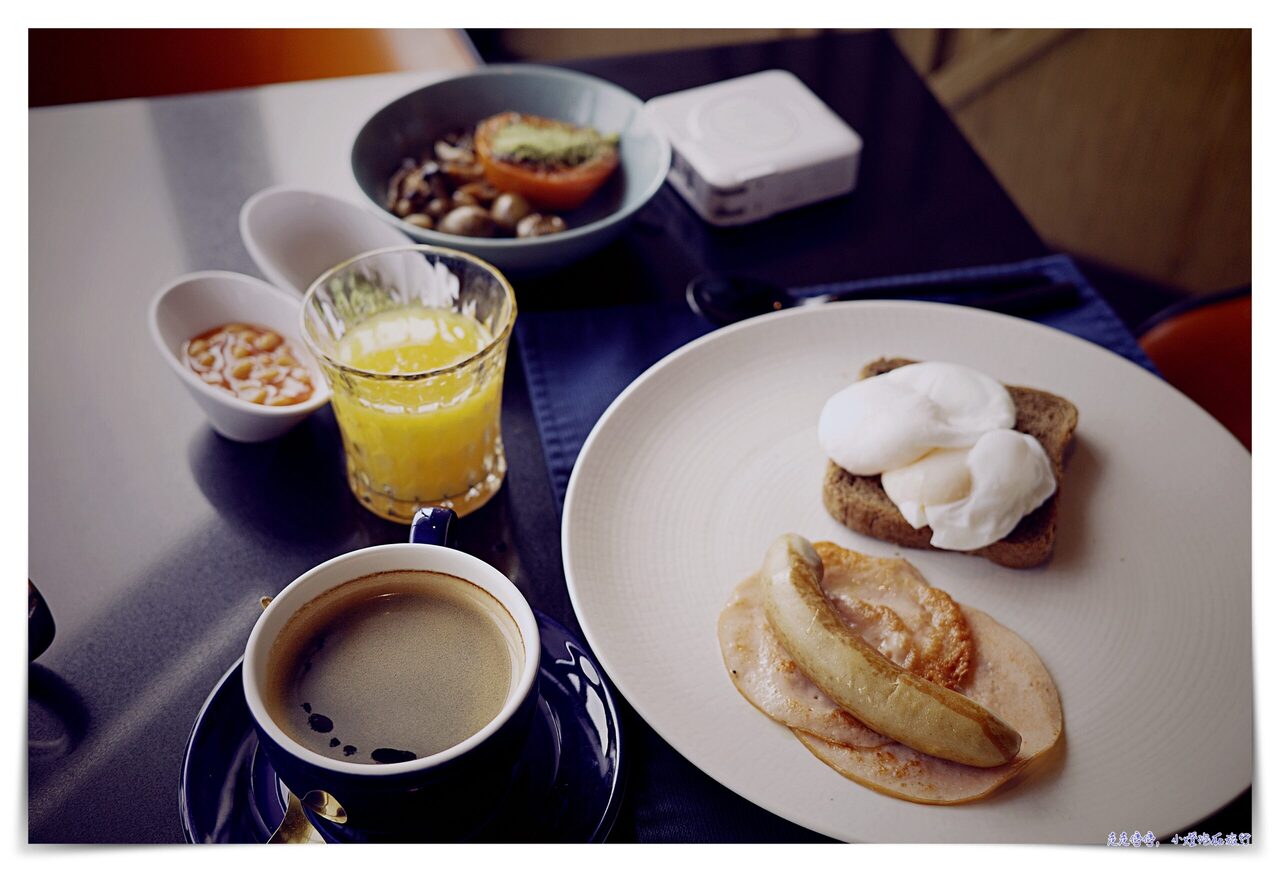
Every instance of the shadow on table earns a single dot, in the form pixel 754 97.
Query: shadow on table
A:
pixel 56 716
pixel 292 488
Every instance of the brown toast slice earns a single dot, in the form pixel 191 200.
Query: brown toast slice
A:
pixel 860 503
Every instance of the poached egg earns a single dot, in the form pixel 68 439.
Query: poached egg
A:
pixel 940 436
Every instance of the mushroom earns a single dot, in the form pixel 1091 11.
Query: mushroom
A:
pixel 446 190
pixel 483 192
pixel 450 153
pixel 462 172
pixel 467 221
pixel 395 186
pixel 537 224
pixel 508 209
pixel 415 184
pixel 438 207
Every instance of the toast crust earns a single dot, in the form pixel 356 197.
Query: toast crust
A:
pixel 860 503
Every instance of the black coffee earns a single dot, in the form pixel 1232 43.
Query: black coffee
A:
pixel 392 667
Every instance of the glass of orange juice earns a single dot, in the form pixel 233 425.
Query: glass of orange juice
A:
pixel 413 342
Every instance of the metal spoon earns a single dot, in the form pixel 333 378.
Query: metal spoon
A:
pixel 726 299
pixel 294 828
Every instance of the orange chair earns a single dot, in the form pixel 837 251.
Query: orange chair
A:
pixel 73 66
pixel 1204 348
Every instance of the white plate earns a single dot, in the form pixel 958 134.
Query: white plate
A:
pixel 1142 616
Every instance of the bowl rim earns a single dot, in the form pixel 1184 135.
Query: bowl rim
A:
pixel 434 237
pixel 319 397
pixel 253 205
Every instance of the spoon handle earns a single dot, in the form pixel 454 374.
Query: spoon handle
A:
pixel 1018 301
pixel 294 829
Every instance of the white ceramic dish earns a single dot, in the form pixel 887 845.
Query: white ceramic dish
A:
pixel 295 235
pixel 200 301
pixel 1142 616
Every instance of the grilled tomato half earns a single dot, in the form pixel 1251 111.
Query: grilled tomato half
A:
pixel 553 164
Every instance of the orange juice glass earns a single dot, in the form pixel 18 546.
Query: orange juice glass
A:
pixel 413 342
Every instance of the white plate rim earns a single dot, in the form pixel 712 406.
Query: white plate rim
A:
pixel 978 315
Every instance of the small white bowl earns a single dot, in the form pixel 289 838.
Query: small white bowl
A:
pixel 200 301
pixel 295 236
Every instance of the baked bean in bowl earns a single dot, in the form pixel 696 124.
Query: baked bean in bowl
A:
pixel 254 363
pixel 231 340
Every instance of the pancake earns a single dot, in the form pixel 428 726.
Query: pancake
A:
pixel 920 628
pixel 766 675
pixel 1008 679
pixel 887 602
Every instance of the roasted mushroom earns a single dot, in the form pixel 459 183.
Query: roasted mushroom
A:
pixel 468 221
pixel 538 224
pixel 395 186
pixel 464 198
pixel 483 192
pixel 438 208
pixel 508 209
pixel 450 153
pixel 446 190
pixel 460 172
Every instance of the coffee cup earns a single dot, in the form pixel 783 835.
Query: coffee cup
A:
pixel 323 728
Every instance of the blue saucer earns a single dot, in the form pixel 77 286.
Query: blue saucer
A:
pixel 568 787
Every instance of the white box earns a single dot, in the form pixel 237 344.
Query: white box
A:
pixel 747 148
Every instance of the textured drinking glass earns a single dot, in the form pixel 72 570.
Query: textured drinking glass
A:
pixel 417 432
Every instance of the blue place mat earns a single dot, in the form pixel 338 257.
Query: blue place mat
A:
pixel 576 362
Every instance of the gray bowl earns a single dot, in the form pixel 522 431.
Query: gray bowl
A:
pixel 408 126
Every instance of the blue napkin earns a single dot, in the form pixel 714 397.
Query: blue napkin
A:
pixel 576 362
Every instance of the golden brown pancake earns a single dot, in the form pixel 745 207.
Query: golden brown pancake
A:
pixel 920 628
pixel 886 601
pixel 771 681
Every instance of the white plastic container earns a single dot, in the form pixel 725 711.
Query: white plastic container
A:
pixel 748 148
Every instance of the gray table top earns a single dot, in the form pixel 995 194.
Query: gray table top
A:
pixel 149 559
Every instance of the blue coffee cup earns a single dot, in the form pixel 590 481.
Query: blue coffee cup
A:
pixel 445 796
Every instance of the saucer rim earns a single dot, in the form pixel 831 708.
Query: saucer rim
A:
pixel 617 784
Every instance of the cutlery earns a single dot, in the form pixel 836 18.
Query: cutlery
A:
pixel 726 299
